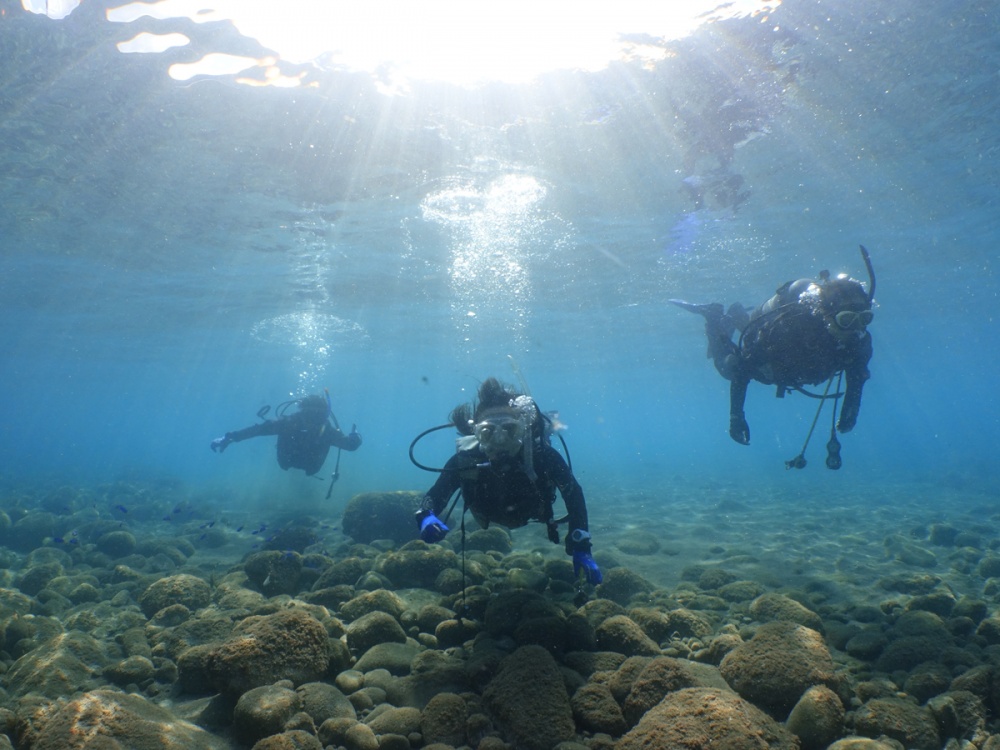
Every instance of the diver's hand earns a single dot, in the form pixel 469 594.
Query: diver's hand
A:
pixel 582 561
pixel 432 528
pixel 355 435
pixel 220 444
pixel 739 430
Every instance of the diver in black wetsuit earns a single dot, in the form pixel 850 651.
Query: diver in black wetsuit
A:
pixel 808 333
pixel 304 437
pixel 508 474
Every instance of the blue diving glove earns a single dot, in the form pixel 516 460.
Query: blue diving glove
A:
pixel 432 528
pixel 583 561
pixel 219 444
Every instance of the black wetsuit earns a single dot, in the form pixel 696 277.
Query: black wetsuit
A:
pixel 791 346
pixel 303 443
pixel 503 493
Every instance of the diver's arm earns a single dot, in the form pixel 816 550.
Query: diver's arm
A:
pixel 448 481
pixel 739 430
pixel 856 375
pixel 433 529
pixel 270 427
pixel 349 442
pixel 555 468
pixel 578 536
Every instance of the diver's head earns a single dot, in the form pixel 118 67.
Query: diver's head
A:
pixel 500 432
pixel 314 408
pixel 845 305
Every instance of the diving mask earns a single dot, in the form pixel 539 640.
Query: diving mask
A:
pixel 853 319
pixel 500 435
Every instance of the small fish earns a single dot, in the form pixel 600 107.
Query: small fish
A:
pixel 239 528
pixel 167 518
pixel 122 508
pixel 207 525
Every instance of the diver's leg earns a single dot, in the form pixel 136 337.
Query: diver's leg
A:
pixel 719 328
pixel 739 430
pixel 739 316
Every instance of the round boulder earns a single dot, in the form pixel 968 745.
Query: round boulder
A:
pixel 706 719
pixel 191 591
pixel 288 645
pixel 817 719
pixel 372 629
pixel 263 711
pixel 110 719
pixel 382 515
pixel 774 668
pixel 528 701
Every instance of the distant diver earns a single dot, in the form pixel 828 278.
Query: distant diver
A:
pixel 508 473
pixel 304 436
pixel 809 332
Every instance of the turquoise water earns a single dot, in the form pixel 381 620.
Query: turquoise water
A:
pixel 176 254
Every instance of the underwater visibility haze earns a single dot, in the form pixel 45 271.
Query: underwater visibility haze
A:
pixel 207 208
pixel 181 248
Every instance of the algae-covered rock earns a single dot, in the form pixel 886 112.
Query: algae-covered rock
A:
pixel 771 606
pixel 58 667
pixel 382 515
pixel 263 711
pixel 104 718
pixel 900 720
pixel 416 564
pixel 372 629
pixel 274 572
pixel 117 543
pixel 323 701
pixel 380 600
pixel 621 634
pixel 293 739
pixel 403 720
pixel 288 645
pixel 663 675
pixel 191 591
pixel 596 710
pixel 528 700
pixel 443 720
pixel 817 719
pixel 494 538
pixel 775 667
pixel 621 584
pixel 686 623
pixel 706 719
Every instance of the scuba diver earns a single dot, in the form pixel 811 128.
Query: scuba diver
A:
pixel 304 437
pixel 508 473
pixel 809 332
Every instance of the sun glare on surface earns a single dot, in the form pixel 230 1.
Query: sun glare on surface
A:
pixel 461 42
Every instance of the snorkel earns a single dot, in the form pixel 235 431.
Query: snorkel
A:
pixel 329 404
pixel 871 274
pixel 525 406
